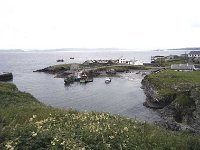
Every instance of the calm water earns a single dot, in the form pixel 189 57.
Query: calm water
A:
pixel 123 96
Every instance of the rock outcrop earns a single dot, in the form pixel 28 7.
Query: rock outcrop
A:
pixel 175 117
pixel 6 76
pixel 154 99
pixel 52 70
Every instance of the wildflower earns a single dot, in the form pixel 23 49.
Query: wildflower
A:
pixel 34 116
pixel 125 129
pixel 34 134
pixel 53 143
pixel 9 145
pixel 62 143
pixel 111 137
pixel 108 145
pixel 83 148
pixel 39 127
pixel 31 119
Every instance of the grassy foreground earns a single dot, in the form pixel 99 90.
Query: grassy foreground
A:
pixel 27 124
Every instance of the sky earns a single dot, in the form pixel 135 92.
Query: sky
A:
pixel 130 24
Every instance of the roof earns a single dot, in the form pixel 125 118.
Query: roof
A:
pixel 182 67
pixel 158 56
pixel 197 66
pixel 194 53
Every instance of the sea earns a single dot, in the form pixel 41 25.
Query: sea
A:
pixel 123 96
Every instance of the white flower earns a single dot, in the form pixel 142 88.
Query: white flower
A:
pixel 9 145
pixel 34 134
pixel 53 143
pixel 62 143
pixel 34 116
pixel 108 145
pixel 125 129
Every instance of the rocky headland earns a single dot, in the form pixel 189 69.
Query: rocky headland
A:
pixel 71 71
pixel 176 96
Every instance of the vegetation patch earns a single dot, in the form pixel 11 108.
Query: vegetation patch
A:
pixel 176 87
pixel 25 123
pixel 121 68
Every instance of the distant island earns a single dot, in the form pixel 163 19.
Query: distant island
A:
pixel 95 49
pixel 187 48
pixel 11 50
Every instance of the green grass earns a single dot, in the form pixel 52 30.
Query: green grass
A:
pixel 62 66
pixel 176 61
pixel 102 67
pixel 167 63
pixel 169 80
pixel 25 123
pixel 177 87
pixel 120 68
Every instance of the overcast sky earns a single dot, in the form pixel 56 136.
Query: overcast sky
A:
pixel 133 24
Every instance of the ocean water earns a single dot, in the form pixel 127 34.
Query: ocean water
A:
pixel 122 96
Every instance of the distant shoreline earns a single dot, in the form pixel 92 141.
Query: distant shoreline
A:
pixel 96 49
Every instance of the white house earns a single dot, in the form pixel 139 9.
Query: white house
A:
pixel 194 54
pixel 130 62
pixel 122 61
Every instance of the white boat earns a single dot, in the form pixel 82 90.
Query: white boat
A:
pixel 107 80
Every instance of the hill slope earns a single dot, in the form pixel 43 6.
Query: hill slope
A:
pixel 25 123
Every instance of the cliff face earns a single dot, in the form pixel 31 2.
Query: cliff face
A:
pixel 154 99
pixel 177 114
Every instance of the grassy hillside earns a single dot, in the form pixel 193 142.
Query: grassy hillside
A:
pixel 27 124
pixel 182 90
pixel 174 81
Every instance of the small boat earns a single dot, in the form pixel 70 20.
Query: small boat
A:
pixel 89 80
pixel 107 80
pixel 78 78
pixel 138 72
pixel 60 60
pixel 71 58
pixel 82 81
pixel 86 80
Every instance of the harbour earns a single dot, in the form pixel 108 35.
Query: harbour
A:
pixel 123 96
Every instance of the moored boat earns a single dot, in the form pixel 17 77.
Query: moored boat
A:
pixel 107 80
pixel 86 80
pixel 60 60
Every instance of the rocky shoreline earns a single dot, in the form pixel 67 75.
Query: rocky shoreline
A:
pixel 6 76
pixel 71 71
pixel 166 108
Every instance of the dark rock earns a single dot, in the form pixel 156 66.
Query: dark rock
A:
pixel 154 100
pixel 187 118
pixel 64 74
pixel 6 76
pixel 69 79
